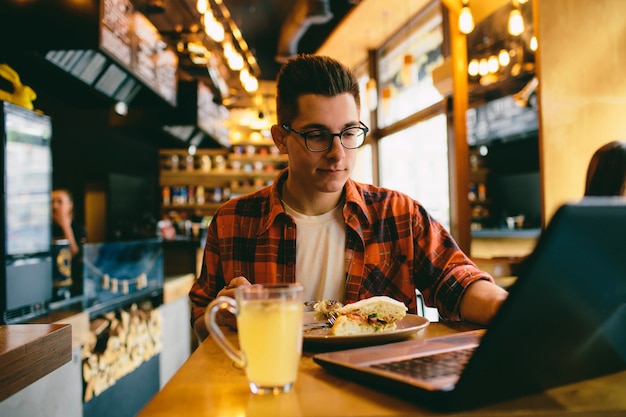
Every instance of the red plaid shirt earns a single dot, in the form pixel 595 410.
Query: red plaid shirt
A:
pixel 393 247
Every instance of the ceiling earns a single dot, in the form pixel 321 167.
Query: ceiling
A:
pixel 346 31
pixel 272 30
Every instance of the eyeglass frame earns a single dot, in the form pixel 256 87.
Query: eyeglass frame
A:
pixel 304 135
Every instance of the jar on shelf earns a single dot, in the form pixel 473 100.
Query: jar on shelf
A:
pixel 174 162
pixel 217 195
pixel 189 163
pixel 220 162
pixel 191 194
pixel 200 199
pixel 205 163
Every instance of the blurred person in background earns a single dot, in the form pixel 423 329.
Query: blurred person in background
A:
pixel 65 227
pixel 606 174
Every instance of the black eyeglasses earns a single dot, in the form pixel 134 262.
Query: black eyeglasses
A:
pixel 320 140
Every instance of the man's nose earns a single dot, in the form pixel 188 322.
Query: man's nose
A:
pixel 336 148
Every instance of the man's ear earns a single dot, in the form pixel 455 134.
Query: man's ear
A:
pixel 279 136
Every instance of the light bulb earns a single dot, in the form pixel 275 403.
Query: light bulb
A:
pixel 533 43
pixel 504 58
pixel 202 6
pixel 214 29
pixel 235 61
pixel 121 108
pixel 228 49
pixel 483 67
pixel 516 23
pixel 492 64
pixel 472 68
pixel 251 84
pixel 466 20
pixel 243 75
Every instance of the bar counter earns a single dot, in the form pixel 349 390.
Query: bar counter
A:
pixel 29 352
pixel 209 384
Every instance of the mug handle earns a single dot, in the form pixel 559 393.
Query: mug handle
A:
pixel 229 304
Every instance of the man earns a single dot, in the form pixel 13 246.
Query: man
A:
pixel 63 224
pixel 65 227
pixel 341 239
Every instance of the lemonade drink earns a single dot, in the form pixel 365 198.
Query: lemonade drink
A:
pixel 270 337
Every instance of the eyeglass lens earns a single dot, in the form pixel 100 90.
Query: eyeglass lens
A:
pixel 320 140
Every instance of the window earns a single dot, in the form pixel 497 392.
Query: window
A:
pixel 401 95
pixel 415 161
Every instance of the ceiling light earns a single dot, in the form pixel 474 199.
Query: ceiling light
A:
pixel 492 64
pixel 214 29
pixel 235 61
pixel 504 58
pixel 202 6
pixel 121 108
pixel 466 20
pixel 251 84
pixel 196 48
pixel 199 59
pixel 472 68
pixel 483 67
pixel 516 22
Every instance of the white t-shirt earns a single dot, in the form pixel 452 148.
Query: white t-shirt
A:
pixel 320 251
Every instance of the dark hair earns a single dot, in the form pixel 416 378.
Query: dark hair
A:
pixel 311 74
pixel 606 174
pixel 67 191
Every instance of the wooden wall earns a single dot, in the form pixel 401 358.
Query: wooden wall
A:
pixel 582 89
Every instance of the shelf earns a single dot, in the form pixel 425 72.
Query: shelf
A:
pixel 212 178
pixel 204 206
pixel 229 172
pixel 245 158
pixel 199 152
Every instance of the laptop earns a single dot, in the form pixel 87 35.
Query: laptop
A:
pixel 564 321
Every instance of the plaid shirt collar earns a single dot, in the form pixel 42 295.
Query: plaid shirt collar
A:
pixel 355 207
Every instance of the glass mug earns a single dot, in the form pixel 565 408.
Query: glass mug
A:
pixel 269 326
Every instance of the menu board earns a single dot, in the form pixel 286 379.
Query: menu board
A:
pixel 501 119
pixel 116 30
pixel 133 41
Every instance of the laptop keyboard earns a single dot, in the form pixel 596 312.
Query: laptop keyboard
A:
pixel 430 367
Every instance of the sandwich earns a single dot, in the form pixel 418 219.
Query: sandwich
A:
pixel 370 315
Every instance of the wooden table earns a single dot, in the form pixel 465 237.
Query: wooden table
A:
pixel 208 384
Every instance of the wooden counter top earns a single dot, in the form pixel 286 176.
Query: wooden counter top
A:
pixel 208 384
pixel 29 352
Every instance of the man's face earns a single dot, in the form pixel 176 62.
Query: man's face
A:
pixel 61 202
pixel 327 171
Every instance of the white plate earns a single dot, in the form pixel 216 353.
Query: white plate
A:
pixel 316 332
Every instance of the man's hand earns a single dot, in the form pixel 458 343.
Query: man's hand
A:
pixel 481 302
pixel 224 318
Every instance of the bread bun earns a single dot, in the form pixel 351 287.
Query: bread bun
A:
pixel 351 325
pixel 370 315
